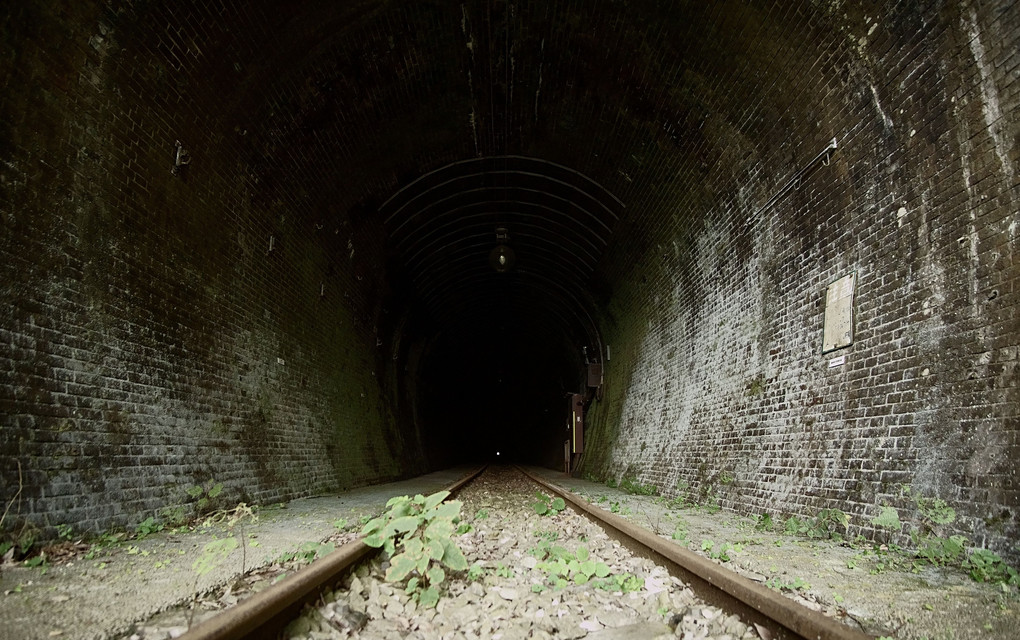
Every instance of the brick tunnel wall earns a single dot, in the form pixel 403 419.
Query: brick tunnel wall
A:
pixel 145 318
pixel 717 388
pixel 150 340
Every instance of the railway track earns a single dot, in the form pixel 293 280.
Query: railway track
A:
pixel 526 579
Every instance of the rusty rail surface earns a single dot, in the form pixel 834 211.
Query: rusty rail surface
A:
pixel 267 612
pixel 754 603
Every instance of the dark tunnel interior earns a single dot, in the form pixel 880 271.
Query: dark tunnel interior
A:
pixel 500 253
pixel 761 250
pixel 497 393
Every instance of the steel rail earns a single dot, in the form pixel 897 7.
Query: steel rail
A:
pixel 267 612
pixel 715 584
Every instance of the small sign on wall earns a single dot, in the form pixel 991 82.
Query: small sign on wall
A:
pixel 839 314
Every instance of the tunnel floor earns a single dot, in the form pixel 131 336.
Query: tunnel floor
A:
pixel 130 581
pixel 116 593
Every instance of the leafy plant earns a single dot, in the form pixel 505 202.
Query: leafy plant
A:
pixel 941 551
pixel 934 512
pixel 481 514
pixel 721 553
pixel 680 533
pixel 64 532
pixel 987 566
pixel 205 494
pixel 548 506
pixel 824 525
pixel 764 523
pixel 36 561
pixel 889 519
pixel 682 494
pixel 827 522
pixel 104 541
pixel 794 526
pixel 340 524
pixel 624 582
pixel 422 528
pixel 25 543
pixel 147 527
pixel 475 572
pixel 712 504
pixel 563 567
pixel 631 485
pixel 174 515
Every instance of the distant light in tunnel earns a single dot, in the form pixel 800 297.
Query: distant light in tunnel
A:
pixel 497 453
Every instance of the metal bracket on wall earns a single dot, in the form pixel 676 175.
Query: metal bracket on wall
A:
pixel 822 159
pixel 181 158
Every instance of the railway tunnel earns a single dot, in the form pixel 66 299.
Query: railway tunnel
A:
pixel 296 247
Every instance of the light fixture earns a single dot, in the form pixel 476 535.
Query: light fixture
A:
pixel 502 257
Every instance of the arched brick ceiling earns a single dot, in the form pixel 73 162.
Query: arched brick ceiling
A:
pixel 443 226
pixel 582 128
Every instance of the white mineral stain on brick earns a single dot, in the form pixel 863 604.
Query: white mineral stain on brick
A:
pixel 886 120
pixel 990 95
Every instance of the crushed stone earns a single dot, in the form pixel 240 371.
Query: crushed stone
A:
pixel 513 598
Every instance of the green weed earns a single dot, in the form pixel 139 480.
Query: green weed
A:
pixel 475 572
pixel 423 529
pixel 631 485
pixel 825 525
pixel 680 533
pixel 563 567
pixel 205 494
pixel 147 527
pixel 986 566
pixel 888 519
pixel 548 506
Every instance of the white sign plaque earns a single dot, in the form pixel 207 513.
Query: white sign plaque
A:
pixel 839 314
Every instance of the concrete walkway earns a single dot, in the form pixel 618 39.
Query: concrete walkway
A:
pixel 133 580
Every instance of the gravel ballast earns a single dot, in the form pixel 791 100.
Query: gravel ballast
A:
pixel 510 593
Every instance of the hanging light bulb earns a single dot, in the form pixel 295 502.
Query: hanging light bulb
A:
pixel 502 258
